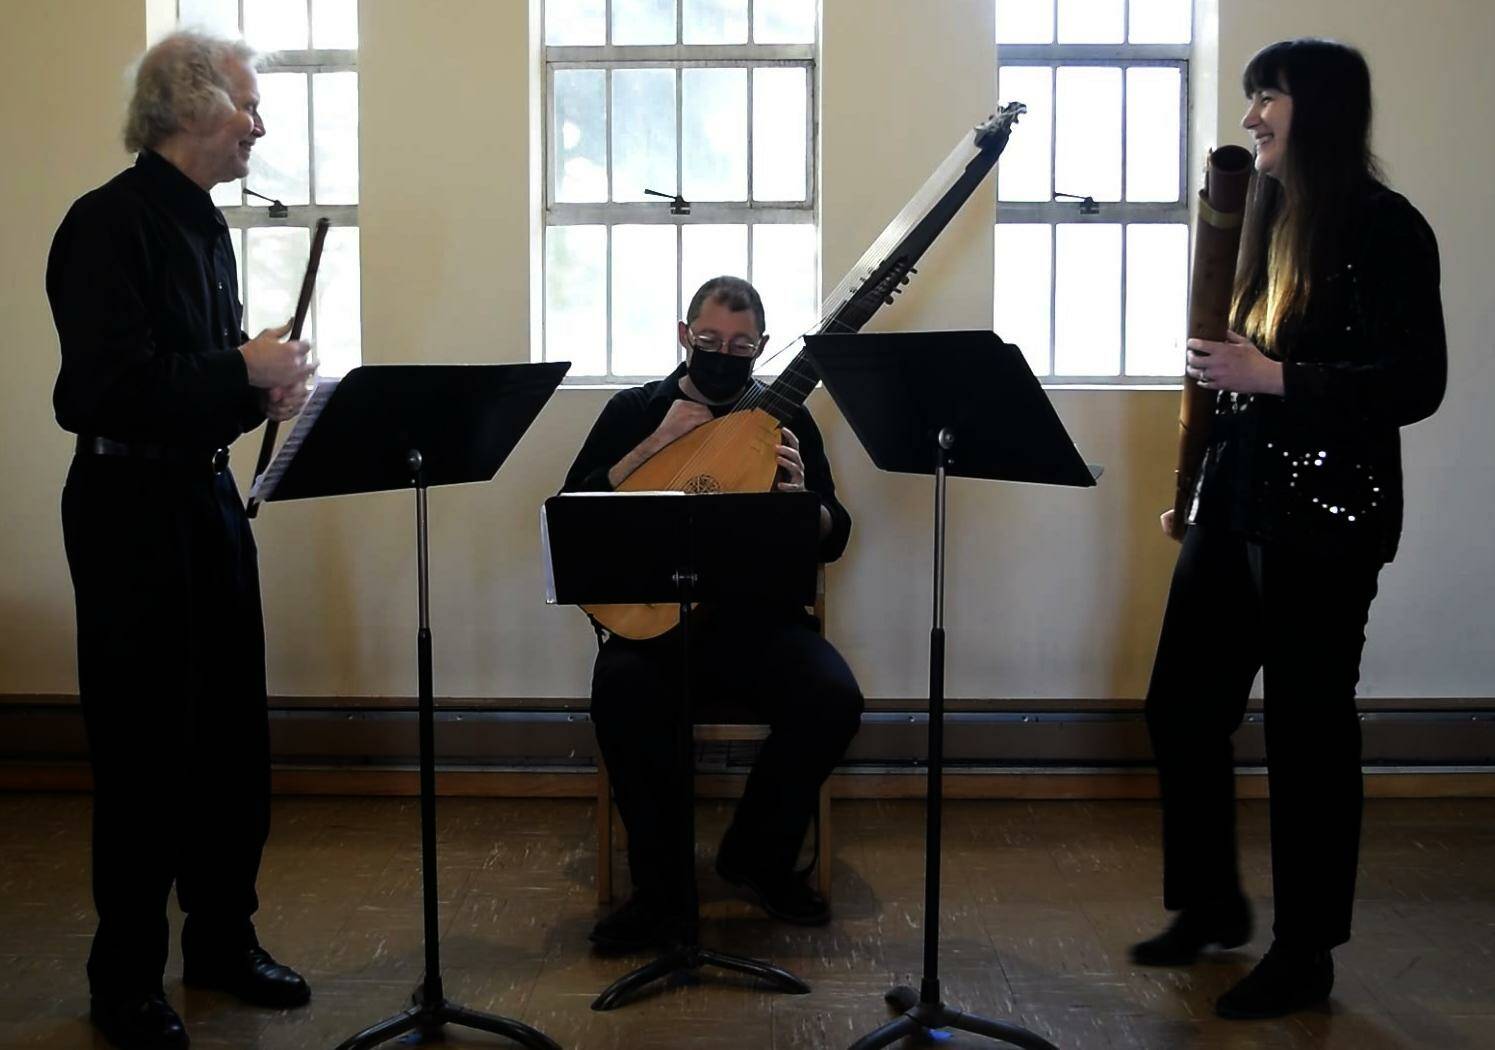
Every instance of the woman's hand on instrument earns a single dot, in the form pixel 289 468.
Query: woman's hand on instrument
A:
pixel 791 466
pixel 1236 365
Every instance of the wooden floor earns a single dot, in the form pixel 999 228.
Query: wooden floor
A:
pixel 1041 900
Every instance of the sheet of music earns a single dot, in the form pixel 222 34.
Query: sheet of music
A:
pixel 264 485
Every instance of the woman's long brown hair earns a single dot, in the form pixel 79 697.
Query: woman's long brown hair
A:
pixel 1296 222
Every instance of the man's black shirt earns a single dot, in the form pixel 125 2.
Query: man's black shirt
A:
pixel 633 414
pixel 145 297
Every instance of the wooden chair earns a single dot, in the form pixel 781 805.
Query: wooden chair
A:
pixel 719 732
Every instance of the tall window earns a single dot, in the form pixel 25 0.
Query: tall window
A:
pixel 308 160
pixel 710 100
pixel 1095 291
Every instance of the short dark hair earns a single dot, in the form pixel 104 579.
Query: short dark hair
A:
pixel 732 292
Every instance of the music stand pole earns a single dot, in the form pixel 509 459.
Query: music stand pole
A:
pixel 690 955
pixel 908 396
pixel 923 1012
pixel 430 1010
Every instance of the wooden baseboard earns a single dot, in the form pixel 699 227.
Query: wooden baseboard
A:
pixel 1034 784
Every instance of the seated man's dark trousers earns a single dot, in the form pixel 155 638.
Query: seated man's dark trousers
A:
pixel 773 663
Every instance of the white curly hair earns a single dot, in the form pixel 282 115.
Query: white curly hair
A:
pixel 179 79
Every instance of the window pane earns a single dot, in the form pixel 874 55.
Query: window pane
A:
pixel 1025 22
pixel 218 17
pixel 279 166
pixel 1157 290
pixel 643 21
pixel 1023 295
pixel 228 194
pixel 1090 22
pixel 1152 133
pixel 784 21
pixel 710 251
pixel 576 22
pixel 275 25
pixel 715 22
pixel 643 132
pixel 576 298
pixel 1159 21
pixel 779 168
pixel 714 136
pixel 277 262
pixel 644 309
pixel 334 23
pixel 338 311
pixel 1087 155
pixel 1023 173
pixel 335 104
pixel 784 272
pixel 579 135
pixel 1087 301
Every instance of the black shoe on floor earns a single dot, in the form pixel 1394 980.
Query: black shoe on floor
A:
pixel 641 922
pixel 142 1022
pixel 1284 982
pixel 1227 924
pixel 251 975
pixel 784 895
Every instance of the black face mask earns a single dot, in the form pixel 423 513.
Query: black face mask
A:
pixel 719 375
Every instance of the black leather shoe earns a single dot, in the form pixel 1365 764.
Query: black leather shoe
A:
pixel 145 1022
pixel 784 895
pixel 641 922
pixel 1284 982
pixel 1227 925
pixel 251 975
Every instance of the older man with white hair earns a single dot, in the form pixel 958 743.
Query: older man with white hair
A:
pixel 157 379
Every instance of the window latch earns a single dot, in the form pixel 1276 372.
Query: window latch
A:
pixel 277 209
pixel 1087 204
pixel 678 204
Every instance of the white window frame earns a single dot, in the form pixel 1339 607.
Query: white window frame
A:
pixel 1122 213
pixel 244 216
pixel 750 213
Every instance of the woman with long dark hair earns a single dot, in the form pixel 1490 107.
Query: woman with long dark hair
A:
pixel 1337 341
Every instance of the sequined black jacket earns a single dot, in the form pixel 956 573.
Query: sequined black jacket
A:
pixel 1321 464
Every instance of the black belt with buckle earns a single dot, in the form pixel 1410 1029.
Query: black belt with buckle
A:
pixel 216 458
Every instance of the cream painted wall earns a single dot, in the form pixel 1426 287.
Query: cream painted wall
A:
pixel 1052 593
pixel 62 96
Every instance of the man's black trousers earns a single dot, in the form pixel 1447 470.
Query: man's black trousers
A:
pixel 1298 616
pixel 171 672
pixel 773 664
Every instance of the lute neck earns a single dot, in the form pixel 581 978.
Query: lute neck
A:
pixel 889 276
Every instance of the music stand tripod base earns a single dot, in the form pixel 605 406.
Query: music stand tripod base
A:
pixel 926 1018
pixel 427 1019
pixel 688 958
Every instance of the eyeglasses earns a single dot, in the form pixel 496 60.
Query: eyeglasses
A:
pixel 742 346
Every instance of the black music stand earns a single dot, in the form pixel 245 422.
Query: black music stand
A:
pixel 414 426
pixel 672 547
pixel 945 403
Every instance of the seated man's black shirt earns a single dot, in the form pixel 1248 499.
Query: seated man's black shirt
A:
pixel 632 415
